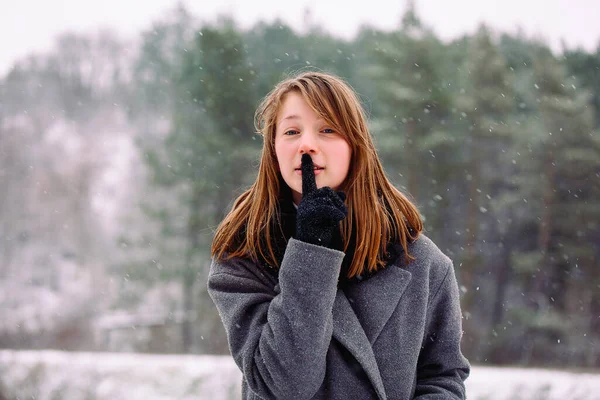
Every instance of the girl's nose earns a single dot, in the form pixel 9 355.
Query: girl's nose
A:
pixel 308 144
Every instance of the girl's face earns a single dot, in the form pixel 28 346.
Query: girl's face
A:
pixel 300 130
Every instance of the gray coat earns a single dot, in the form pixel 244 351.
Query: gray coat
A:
pixel 394 336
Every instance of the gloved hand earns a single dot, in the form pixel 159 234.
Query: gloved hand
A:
pixel 320 210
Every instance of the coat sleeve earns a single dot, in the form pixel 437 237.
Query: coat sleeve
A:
pixel 279 338
pixel 442 368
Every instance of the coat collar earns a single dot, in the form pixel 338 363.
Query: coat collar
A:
pixel 361 311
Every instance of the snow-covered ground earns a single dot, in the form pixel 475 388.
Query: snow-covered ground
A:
pixel 46 375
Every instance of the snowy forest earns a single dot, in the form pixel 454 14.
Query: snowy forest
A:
pixel 118 159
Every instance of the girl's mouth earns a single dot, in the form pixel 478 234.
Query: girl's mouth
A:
pixel 317 171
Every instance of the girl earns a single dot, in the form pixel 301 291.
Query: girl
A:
pixel 323 280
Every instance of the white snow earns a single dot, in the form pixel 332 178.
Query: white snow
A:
pixel 49 375
pixel 45 375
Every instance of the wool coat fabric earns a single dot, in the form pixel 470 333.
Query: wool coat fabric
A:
pixel 297 335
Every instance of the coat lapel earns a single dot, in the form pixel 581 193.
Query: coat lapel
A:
pixel 375 300
pixel 347 331
pixel 356 326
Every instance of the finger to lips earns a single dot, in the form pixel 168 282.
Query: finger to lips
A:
pixel 309 183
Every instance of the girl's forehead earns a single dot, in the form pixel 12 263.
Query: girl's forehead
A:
pixel 295 106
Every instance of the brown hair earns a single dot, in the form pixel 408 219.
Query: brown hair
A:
pixel 377 211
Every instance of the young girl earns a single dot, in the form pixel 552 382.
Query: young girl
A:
pixel 323 280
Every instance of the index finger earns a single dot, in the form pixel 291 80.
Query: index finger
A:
pixel 309 183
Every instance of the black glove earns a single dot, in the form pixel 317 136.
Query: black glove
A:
pixel 320 210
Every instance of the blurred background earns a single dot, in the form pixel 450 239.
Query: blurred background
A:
pixel 126 132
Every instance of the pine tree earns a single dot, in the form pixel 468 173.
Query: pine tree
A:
pixel 204 161
pixel 212 151
pixel 568 156
pixel 413 106
pixel 585 67
pixel 486 104
pixel 556 219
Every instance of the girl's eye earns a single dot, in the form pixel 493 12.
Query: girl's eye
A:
pixel 328 130
pixel 291 132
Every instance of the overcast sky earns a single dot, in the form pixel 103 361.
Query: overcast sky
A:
pixel 28 26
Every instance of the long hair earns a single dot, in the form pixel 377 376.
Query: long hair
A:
pixel 377 211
